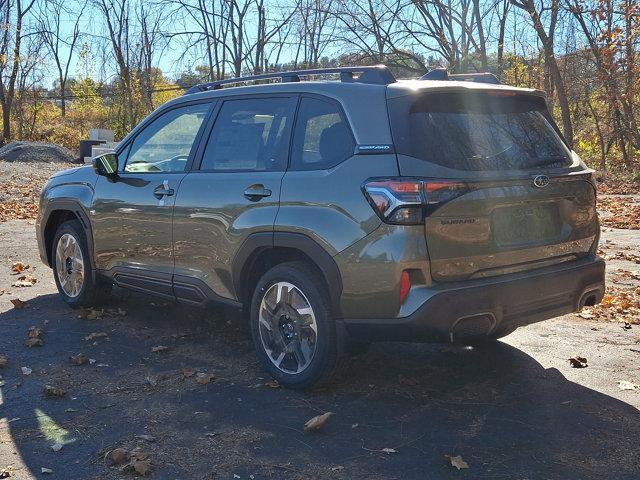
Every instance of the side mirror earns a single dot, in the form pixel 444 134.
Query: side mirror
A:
pixel 106 165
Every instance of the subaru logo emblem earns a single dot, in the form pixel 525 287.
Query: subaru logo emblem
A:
pixel 541 181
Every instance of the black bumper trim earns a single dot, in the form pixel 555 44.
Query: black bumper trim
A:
pixel 512 300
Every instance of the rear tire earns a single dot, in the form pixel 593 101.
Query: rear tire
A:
pixel 293 330
pixel 71 263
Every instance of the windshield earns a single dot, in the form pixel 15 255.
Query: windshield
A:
pixel 477 131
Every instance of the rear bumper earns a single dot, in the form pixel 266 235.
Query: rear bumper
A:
pixel 491 307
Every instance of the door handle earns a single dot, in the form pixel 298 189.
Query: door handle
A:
pixel 163 190
pixel 256 192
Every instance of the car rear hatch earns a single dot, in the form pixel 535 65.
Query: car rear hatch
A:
pixel 501 191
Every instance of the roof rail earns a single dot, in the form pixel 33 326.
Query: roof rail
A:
pixel 378 75
pixel 442 74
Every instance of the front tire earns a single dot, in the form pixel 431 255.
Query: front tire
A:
pixel 292 326
pixel 70 258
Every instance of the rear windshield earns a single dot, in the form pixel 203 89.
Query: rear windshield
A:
pixel 477 131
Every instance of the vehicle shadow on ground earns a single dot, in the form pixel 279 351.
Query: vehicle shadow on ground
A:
pixel 497 407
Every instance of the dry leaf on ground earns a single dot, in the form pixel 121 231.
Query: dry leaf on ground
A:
pixel 316 423
pixel 204 378
pixel 17 303
pixel 626 385
pixel 409 381
pixel 45 470
pixel 19 267
pixel 79 359
pixel 34 337
pixel 160 349
pixel 25 281
pixel 94 336
pixel 388 450
pixel 118 456
pixel 142 467
pixel 273 384
pixel 51 391
pixel 578 362
pixel 7 471
pixel 26 370
pixel 457 461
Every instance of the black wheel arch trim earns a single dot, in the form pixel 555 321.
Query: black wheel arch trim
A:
pixel 258 242
pixel 79 212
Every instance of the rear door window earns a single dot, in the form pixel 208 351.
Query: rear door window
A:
pixel 477 131
pixel 250 135
pixel 322 138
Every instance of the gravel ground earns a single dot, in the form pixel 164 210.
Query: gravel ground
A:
pixel 515 410
pixel 36 152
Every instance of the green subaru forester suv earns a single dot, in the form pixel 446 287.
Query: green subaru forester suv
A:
pixel 337 212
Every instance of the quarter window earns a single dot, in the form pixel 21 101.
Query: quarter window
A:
pixel 164 145
pixel 322 138
pixel 250 134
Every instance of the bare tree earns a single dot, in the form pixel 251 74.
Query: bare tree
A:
pixel 545 29
pixel 61 45
pixel 12 14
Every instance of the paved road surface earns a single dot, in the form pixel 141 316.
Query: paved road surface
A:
pixel 513 411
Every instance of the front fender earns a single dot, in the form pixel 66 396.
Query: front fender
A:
pixel 71 194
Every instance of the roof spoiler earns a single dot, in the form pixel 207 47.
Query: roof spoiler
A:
pixel 443 74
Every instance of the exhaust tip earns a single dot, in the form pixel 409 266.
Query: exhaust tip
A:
pixel 473 326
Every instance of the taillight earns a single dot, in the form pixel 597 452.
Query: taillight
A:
pixel 406 201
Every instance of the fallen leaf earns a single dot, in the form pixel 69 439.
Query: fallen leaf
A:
pixel 56 447
pixel 50 391
pixel 388 450
pixel 3 361
pixel 316 423
pixel 26 370
pixel 19 267
pixel 578 362
pixel 95 335
pixel 204 378
pixel 188 372
pixel 273 384
pixel 7 471
pixel 160 349
pixel 626 385
pixel 586 314
pixel 142 467
pixel 34 337
pixel 409 381
pixel 118 456
pixel 79 359
pixel 46 470
pixel 18 304
pixel 626 326
pixel 2 290
pixel 457 461
pixel 25 281
pixel 34 342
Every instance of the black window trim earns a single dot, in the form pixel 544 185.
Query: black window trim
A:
pixel 199 157
pixel 342 114
pixel 138 129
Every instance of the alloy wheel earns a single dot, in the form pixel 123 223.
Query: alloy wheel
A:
pixel 288 328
